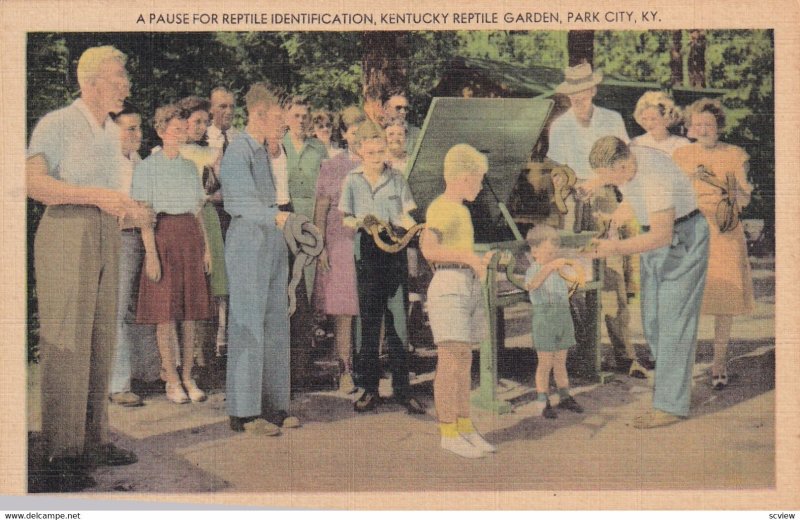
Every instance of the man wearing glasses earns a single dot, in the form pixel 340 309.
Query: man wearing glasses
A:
pixel 397 107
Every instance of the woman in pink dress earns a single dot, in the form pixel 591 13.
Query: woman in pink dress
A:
pixel 335 284
pixel 714 166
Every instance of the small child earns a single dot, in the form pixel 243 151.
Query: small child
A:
pixel 552 329
pixel 455 305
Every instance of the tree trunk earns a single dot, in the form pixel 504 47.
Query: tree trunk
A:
pixel 676 59
pixel 384 64
pixel 697 59
pixel 580 47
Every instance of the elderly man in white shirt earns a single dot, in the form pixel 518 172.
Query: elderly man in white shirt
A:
pixel 571 138
pixel 73 167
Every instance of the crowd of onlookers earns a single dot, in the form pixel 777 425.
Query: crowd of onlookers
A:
pixel 146 266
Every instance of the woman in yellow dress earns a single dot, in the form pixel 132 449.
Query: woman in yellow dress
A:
pixel 719 177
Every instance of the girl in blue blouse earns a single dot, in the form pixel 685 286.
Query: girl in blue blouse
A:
pixel 176 252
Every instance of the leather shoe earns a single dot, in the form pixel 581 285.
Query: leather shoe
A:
pixel 637 370
pixel 368 401
pixel 569 403
pixel 110 455
pixel 655 419
pixel 719 382
pixel 413 406
pixel 125 399
pixel 282 419
pixel 237 423
pixel 647 363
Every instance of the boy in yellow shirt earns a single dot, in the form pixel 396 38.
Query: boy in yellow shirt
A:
pixel 455 306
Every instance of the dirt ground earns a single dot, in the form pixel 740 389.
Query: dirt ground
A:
pixel 728 443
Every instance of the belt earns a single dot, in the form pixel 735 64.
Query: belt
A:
pixel 286 207
pixel 451 266
pixel 678 220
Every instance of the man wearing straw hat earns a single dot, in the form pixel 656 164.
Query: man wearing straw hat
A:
pixel 571 138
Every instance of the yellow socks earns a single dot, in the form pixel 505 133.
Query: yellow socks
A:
pixel 448 430
pixel 464 425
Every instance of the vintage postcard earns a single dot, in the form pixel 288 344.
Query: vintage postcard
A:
pixel 329 256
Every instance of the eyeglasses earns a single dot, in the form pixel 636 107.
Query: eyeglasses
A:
pixel 324 125
pixel 401 107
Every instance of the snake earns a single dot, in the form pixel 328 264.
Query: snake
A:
pixel 374 226
pixel 560 195
pixel 305 242
pixel 573 272
pixel 727 213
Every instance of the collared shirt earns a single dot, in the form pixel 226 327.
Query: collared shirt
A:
pixel 216 139
pixel 570 142
pixel 168 185
pixel 248 188
pixel 200 156
pixel 553 291
pixel 658 185
pixel 126 172
pixel 77 149
pixel 390 200
pixel 303 170
pixel 668 145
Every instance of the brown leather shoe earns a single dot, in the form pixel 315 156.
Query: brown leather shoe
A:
pixel 127 399
pixel 368 401
pixel 109 455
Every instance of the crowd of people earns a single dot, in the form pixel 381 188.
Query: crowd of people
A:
pixel 142 264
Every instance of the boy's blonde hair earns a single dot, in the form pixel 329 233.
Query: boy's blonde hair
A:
pixel 542 233
pixel 261 93
pixel 368 131
pixel 93 58
pixel 462 159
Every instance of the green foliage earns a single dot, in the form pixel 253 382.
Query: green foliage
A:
pixel 634 55
pixel 547 48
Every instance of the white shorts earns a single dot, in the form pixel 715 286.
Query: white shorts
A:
pixel 455 307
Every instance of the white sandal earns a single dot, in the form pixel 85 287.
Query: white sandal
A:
pixel 195 394
pixel 176 394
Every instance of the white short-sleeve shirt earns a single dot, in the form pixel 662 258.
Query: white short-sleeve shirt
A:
pixel 657 186
pixel 571 142
pixel 77 149
pixel 668 145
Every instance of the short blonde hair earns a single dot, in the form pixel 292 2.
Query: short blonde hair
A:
pixel 661 102
pixel 608 150
pixel 93 58
pixel 261 93
pixel 368 131
pixel 166 114
pixel 462 159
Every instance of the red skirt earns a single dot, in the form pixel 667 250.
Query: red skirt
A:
pixel 182 292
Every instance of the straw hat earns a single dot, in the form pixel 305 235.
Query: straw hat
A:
pixel 578 78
